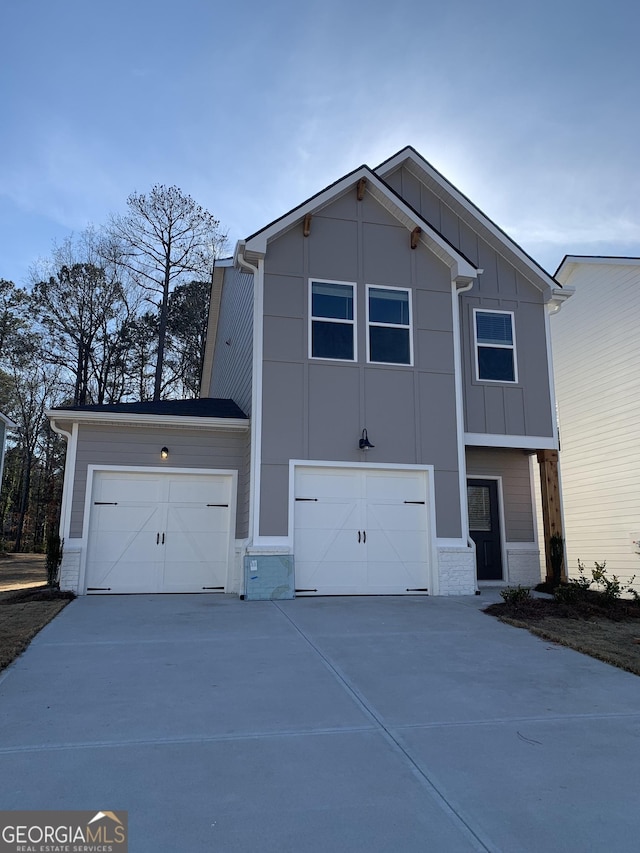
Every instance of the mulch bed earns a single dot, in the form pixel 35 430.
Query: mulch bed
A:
pixel 606 629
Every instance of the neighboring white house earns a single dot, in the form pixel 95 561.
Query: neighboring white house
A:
pixel 596 349
pixel 5 424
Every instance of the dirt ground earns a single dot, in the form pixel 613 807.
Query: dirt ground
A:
pixel 18 571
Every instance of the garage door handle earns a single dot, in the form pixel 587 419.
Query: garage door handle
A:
pixel 157 538
pixel 364 535
pixel 163 538
pixel 358 535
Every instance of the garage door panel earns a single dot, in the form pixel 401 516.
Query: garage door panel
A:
pixel 398 486
pixel 331 577
pixel 380 547
pixel 316 546
pixel 394 516
pixel 130 576
pixel 389 577
pixel 120 489
pixel 138 545
pixel 193 490
pixel 124 518
pixel 187 517
pixel 326 483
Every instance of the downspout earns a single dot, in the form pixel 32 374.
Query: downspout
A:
pixel 462 286
pixel 69 470
pixel 256 389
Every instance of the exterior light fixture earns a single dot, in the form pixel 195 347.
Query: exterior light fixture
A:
pixel 365 444
pixel 164 453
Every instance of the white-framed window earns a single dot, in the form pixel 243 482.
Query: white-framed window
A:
pixel 389 325
pixel 332 320
pixel 495 345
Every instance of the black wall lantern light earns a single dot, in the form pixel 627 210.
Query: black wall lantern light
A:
pixel 164 453
pixel 365 444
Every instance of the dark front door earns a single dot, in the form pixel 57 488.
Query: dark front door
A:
pixel 484 528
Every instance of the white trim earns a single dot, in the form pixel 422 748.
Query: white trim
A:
pixel 565 270
pixel 552 386
pixel 456 291
pixel 255 247
pixel 255 463
pixel 533 473
pixel 69 477
pixel 520 442
pixel 409 328
pixel 352 323
pixel 162 421
pixel 443 542
pixel 379 466
pixel 501 521
pixel 270 544
pixel 8 422
pixel 511 346
pixel 141 469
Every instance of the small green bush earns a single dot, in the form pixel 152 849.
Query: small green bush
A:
pixel 515 595
pixel 610 588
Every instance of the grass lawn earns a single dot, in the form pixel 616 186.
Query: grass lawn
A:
pixel 607 630
pixel 22 614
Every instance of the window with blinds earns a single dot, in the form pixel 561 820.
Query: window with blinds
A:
pixel 495 346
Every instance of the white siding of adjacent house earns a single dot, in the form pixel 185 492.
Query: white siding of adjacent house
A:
pixel 596 348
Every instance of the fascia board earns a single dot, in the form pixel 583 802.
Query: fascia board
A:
pixel 255 247
pixel 422 169
pixel 8 422
pixel 161 421
pixel 571 262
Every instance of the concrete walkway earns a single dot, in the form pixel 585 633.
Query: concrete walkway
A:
pixel 321 726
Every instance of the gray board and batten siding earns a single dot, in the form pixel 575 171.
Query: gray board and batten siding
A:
pixel 140 446
pixel 233 353
pixel 520 408
pixel 315 409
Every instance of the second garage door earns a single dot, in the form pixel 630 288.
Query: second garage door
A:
pixel 361 531
pixel 158 532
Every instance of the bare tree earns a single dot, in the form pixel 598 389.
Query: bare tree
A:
pixel 33 387
pixel 166 238
pixel 83 304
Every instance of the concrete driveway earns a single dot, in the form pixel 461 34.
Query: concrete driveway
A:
pixel 328 725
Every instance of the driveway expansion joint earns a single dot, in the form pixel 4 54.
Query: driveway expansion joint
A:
pixel 473 835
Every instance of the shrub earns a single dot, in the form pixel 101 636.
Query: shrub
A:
pixel 610 588
pixel 54 559
pixel 516 595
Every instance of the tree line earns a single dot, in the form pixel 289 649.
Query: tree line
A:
pixel 114 314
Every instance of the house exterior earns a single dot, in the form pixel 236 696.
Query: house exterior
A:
pixel 5 424
pixel 596 350
pixel 390 348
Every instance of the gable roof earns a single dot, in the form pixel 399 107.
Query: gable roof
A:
pixel 255 246
pixel 469 213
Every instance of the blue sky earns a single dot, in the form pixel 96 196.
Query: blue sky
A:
pixel 530 109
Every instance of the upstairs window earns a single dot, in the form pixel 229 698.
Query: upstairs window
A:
pixel 332 320
pixel 495 346
pixel 389 339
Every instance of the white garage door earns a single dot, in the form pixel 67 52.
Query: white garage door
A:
pixel 361 531
pixel 158 532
